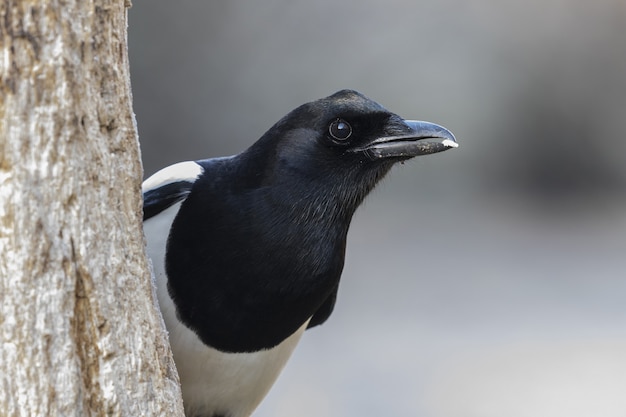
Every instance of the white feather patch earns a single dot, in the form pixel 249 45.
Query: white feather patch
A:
pixel 182 171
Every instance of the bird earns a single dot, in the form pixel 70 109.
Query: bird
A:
pixel 247 250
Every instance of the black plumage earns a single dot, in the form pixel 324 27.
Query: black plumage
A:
pixel 256 247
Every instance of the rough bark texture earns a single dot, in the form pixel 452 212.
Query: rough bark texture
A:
pixel 79 331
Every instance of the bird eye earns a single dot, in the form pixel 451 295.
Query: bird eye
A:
pixel 339 129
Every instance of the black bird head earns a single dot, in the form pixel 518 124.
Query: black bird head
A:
pixel 258 246
pixel 341 146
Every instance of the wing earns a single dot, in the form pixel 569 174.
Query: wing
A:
pixel 325 310
pixel 168 186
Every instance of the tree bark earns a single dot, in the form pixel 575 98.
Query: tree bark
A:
pixel 80 333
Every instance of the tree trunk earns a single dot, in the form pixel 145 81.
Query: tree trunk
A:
pixel 80 334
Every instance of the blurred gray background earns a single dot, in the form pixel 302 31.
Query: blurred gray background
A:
pixel 486 281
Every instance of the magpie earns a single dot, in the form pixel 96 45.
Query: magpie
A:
pixel 247 250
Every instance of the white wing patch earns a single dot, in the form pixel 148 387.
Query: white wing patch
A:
pixel 182 171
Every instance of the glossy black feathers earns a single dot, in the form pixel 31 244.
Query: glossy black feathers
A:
pixel 257 247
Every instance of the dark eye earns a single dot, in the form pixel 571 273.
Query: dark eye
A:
pixel 339 129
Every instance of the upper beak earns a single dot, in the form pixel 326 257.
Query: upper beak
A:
pixel 423 138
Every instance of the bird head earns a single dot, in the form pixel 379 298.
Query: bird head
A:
pixel 340 146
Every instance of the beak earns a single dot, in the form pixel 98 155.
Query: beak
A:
pixel 423 138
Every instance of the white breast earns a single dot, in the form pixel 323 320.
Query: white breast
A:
pixel 213 382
